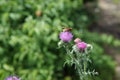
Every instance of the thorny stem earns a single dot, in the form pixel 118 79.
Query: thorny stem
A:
pixel 77 61
pixel 80 59
pixel 85 65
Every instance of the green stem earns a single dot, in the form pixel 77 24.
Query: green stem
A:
pixel 77 60
pixel 85 66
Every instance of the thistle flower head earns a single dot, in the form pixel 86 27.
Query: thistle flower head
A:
pixel 81 45
pixel 66 36
pixel 12 78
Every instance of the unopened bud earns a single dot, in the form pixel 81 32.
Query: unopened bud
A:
pixel 38 13
pixel 77 40
pixel 60 43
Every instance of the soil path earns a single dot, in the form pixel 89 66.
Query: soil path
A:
pixel 109 22
pixel 110 17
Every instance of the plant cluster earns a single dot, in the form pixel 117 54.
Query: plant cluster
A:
pixel 78 55
pixel 29 33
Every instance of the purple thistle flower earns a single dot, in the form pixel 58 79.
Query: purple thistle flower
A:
pixel 12 78
pixel 81 45
pixel 66 36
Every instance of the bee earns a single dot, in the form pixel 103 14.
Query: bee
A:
pixel 67 29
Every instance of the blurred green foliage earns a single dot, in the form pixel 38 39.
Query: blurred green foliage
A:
pixel 29 32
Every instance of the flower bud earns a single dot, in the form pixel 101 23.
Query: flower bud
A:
pixel 60 43
pixel 77 40
pixel 38 13
pixel 89 48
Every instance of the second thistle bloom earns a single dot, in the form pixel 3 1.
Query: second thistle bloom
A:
pixel 66 36
pixel 12 78
pixel 81 45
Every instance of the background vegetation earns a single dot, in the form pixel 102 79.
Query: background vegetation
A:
pixel 29 32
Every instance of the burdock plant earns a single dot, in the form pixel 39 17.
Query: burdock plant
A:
pixel 78 54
